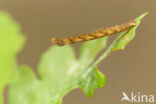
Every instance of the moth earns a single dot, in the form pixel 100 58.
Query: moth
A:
pixel 94 35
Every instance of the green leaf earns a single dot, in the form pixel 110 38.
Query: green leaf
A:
pixel 11 42
pixel 119 43
pixel 60 72
pixel 90 49
pixel 24 88
pixel 55 80
pixel 1 98
pixel 92 79
pixel 29 90
pixel 57 70
pixel 54 60
pixel 122 40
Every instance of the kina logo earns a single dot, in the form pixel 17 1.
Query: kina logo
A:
pixel 137 98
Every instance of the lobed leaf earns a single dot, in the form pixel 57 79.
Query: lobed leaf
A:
pixel 1 98
pixel 60 71
pixel 90 49
pixel 119 43
pixel 11 42
pixel 122 39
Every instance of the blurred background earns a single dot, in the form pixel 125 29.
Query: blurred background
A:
pixel 130 70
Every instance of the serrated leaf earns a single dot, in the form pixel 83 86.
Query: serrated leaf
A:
pixel 11 42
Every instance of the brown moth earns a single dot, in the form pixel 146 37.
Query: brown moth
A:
pixel 94 35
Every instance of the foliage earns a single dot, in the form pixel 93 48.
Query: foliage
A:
pixel 60 71
pixel 11 42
